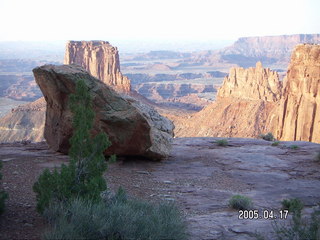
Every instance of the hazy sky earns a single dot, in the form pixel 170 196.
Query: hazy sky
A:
pixel 149 19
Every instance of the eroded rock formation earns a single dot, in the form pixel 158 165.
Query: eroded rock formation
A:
pixel 253 101
pixel 299 108
pixel 241 109
pixel 100 59
pixel 133 128
pixel 252 84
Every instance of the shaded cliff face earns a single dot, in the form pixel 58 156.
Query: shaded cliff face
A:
pixel 100 59
pixel 299 108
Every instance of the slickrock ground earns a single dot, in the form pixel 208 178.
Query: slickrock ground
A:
pixel 199 176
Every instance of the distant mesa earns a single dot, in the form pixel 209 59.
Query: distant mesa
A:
pixel 246 51
pixel 101 60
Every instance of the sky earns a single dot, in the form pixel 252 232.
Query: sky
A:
pixel 196 20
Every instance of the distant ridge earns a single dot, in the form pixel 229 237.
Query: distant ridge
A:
pixel 272 51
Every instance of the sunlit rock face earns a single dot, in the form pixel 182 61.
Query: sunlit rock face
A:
pixel 253 84
pixel 243 104
pixel 254 101
pixel 299 108
pixel 100 59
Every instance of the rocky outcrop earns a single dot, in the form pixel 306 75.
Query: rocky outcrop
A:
pixel 252 84
pixel 100 59
pixel 253 101
pixel 133 128
pixel 243 104
pixel 23 123
pixel 299 109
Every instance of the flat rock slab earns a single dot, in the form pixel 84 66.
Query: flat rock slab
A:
pixel 199 176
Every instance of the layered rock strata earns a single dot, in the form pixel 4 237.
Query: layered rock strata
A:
pixel 24 123
pixel 133 128
pixel 101 60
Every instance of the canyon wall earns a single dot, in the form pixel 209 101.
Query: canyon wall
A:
pixel 299 109
pixel 242 107
pixel 254 101
pixel 101 60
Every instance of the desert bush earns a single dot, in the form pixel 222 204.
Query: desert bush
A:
pixel 292 205
pixel 268 137
pixel 83 176
pixel 240 202
pixel 293 147
pixel 298 228
pixel 3 195
pixel 222 142
pixel 117 218
pixel 275 143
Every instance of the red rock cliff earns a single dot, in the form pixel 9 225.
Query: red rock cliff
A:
pixel 100 59
pixel 252 84
pixel 253 101
pixel 299 108
pixel 241 109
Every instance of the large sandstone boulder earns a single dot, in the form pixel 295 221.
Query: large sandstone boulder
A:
pixel 133 128
pixel 101 60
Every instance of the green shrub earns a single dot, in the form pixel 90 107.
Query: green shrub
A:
pixel 117 218
pixel 293 147
pixel 293 205
pixel 240 202
pixel 222 142
pixel 276 143
pixel 83 176
pixel 298 228
pixel 3 195
pixel 267 137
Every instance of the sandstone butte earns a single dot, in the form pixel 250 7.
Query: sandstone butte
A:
pixel 254 101
pixel 133 128
pixel 101 60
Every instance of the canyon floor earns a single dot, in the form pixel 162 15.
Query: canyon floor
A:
pixel 199 176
